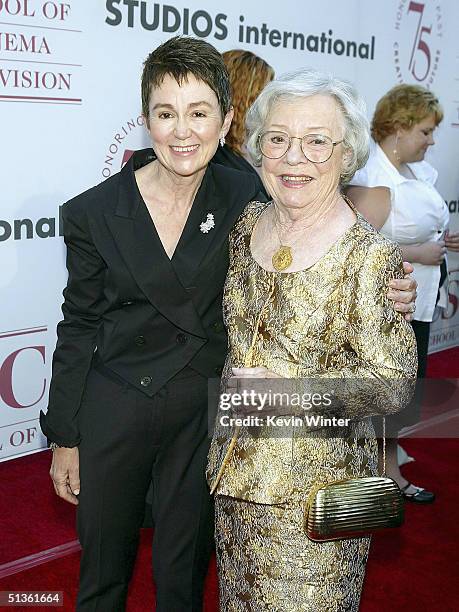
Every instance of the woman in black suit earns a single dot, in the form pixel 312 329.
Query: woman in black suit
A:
pixel 142 333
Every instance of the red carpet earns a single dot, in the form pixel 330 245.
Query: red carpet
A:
pixel 62 575
pixel 444 364
pixel 32 518
pixel 414 568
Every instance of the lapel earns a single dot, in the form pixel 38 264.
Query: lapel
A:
pixel 194 244
pixel 143 253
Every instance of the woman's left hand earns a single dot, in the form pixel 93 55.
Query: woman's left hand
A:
pixel 403 292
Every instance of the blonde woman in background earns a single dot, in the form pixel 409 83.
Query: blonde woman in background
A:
pixel 396 193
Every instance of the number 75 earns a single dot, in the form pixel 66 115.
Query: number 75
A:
pixel 418 7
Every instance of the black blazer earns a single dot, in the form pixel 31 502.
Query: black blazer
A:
pixel 141 315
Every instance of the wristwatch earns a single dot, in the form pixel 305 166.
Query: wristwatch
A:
pixel 53 446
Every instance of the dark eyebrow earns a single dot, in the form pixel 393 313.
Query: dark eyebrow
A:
pixel 201 103
pixel 192 105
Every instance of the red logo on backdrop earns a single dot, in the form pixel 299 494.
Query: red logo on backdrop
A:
pixel 126 156
pixel 417 45
pixel 19 353
pixel 453 297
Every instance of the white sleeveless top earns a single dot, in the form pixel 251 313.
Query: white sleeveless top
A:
pixel 418 214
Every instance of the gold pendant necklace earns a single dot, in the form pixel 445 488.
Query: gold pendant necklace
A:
pixel 282 258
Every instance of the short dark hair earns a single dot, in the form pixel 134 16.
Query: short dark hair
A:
pixel 181 56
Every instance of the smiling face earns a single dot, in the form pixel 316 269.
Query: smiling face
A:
pixel 293 180
pixel 185 125
pixel 413 143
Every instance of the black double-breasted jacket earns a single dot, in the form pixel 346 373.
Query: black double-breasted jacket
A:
pixel 142 315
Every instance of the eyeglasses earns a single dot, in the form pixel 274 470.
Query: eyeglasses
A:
pixel 317 148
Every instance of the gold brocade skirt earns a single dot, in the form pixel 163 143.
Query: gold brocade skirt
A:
pixel 267 563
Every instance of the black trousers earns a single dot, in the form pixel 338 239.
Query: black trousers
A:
pixel 410 414
pixel 421 331
pixel 128 440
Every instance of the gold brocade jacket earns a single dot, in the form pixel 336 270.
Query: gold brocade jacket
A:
pixel 332 320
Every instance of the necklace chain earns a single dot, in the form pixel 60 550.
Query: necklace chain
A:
pixel 282 257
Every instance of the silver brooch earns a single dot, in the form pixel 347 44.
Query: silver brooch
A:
pixel 208 224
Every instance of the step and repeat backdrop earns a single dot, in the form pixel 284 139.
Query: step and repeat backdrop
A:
pixel 70 116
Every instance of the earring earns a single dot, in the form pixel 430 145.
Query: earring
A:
pixel 222 141
pixel 395 150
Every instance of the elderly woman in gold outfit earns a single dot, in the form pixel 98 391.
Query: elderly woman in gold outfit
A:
pixel 305 296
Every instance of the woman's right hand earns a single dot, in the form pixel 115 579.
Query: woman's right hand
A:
pixel 431 253
pixel 65 473
pixel 452 241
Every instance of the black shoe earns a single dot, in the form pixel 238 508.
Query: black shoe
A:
pixel 421 496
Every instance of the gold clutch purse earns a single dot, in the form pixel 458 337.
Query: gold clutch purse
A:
pixel 353 507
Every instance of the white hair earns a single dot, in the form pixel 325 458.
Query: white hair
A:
pixel 307 82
